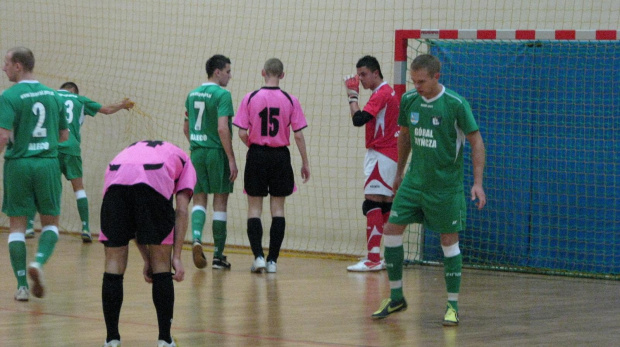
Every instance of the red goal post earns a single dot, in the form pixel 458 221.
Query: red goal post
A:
pixel 402 37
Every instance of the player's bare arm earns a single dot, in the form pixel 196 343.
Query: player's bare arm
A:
pixel 243 135
pixel 180 229
pixel 301 146
pixel 124 104
pixel 63 135
pixel 478 155
pixel 186 128
pixel 5 135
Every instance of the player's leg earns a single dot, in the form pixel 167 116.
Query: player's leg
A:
pixel 394 258
pixel 163 289
pixel 199 211
pixel 45 249
pixel 82 206
pixel 30 225
pixel 453 264
pixel 112 289
pixel 17 253
pixel 255 232
pixel 199 216
pixel 446 214
pixel 48 191
pixel 220 203
pixel 117 228
pixel 276 232
pixel 256 186
pixel 380 171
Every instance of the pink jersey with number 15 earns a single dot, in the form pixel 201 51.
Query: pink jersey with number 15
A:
pixel 269 114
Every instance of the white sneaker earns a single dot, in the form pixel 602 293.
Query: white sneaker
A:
pixel 29 233
pixel 366 265
pixel 113 343
pixel 272 267
pixel 22 294
pixel 36 275
pixel 162 343
pixel 258 265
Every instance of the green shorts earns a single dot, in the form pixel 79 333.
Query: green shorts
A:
pixel 212 171
pixel 70 165
pixel 443 212
pixel 31 184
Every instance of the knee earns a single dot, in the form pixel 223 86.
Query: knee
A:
pixel 369 205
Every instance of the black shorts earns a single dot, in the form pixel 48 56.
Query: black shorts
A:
pixel 139 212
pixel 268 170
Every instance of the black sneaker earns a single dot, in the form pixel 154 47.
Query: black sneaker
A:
pixel 220 263
pixel 388 306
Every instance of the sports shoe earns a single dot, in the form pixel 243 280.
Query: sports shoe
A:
pixel 113 343
pixel 366 265
pixel 272 267
pixel 199 257
pixel 388 307
pixel 29 233
pixel 36 275
pixel 258 265
pixel 22 294
pixel 86 236
pixel 220 263
pixel 162 343
pixel 451 318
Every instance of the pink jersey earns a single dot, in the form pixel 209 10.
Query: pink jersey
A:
pixel 382 130
pixel 162 165
pixel 268 115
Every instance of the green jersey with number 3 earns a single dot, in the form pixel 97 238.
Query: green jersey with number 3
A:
pixel 34 112
pixel 76 107
pixel 204 106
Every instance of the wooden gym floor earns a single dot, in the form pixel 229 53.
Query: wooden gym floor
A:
pixel 309 302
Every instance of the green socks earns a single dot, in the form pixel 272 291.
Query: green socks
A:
pixel 82 206
pixel 47 243
pixel 17 253
pixel 219 233
pixel 394 255
pixel 452 272
pixel 199 215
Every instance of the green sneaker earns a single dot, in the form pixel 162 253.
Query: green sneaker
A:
pixel 388 307
pixel 451 318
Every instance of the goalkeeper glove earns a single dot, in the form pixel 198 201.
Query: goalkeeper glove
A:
pixel 352 84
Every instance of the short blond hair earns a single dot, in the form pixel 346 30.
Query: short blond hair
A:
pixel 274 67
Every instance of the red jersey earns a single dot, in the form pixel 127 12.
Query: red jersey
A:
pixel 382 130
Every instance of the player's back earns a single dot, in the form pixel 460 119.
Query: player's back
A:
pixel 162 165
pixel 34 110
pixel 269 114
pixel 204 106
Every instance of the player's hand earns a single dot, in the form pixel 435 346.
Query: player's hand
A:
pixel 128 104
pixel 179 270
pixel 305 173
pixel 478 193
pixel 147 272
pixel 352 84
pixel 233 170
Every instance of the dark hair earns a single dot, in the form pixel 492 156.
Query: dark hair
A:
pixel 216 62
pixel 371 63
pixel 70 85
pixel 24 56
pixel 428 62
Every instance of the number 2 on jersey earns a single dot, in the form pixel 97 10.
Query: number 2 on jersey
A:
pixel 39 110
pixel 269 125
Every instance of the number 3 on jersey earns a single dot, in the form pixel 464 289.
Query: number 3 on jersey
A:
pixel 269 125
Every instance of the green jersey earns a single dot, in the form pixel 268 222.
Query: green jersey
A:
pixel 76 107
pixel 35 114
pixel 204 106
pixel 438 129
